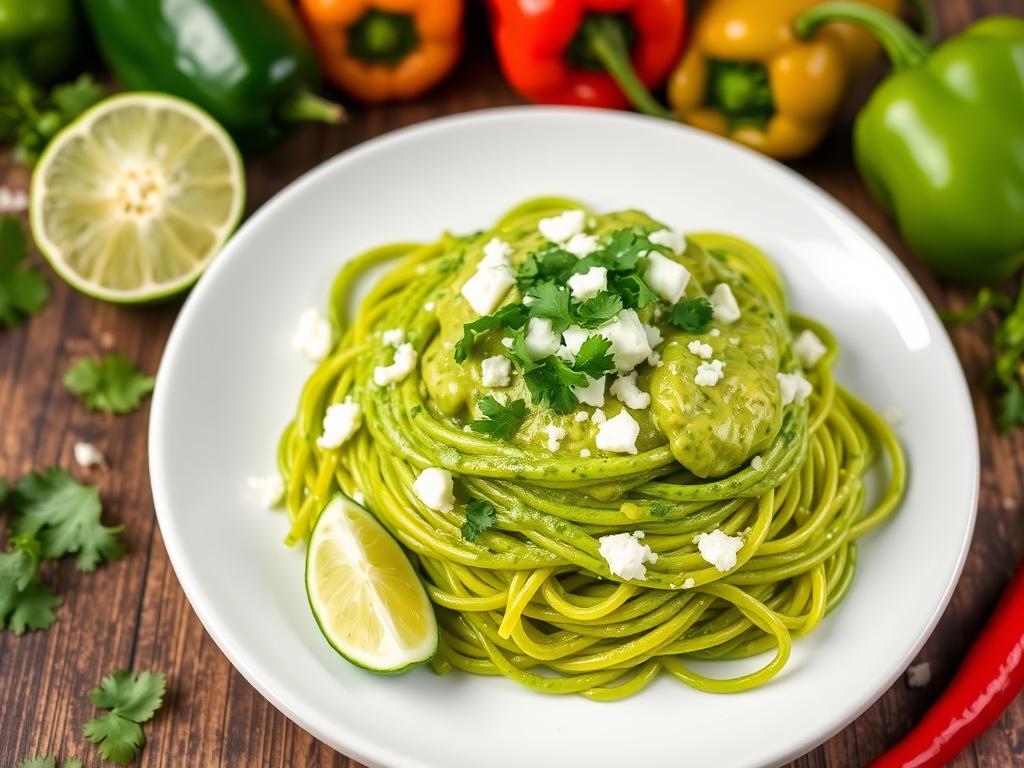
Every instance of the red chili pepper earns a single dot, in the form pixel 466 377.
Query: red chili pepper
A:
pixel 990 678
pixel 596 53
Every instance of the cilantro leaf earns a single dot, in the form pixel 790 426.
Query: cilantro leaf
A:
pixel 551 301
pixel 479 517
pixel 66 517
pixel 132 700
pixel 551 382
pixel 112 384
pixel 23 291
pixel 46 761
pixel 634 291
pixel 25 603
pixel 623 253
pixel 119 739
pixel 500 421
pixel 594 359
pixel 692 315
pixel 598 310
pixel 552 262
pixel 511 316
pixel 1011 407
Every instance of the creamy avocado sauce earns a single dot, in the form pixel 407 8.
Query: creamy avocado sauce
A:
pixel 710 430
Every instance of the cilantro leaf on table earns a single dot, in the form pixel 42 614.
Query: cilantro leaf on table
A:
pixel 551 382
pixel 46 761
pixel 23 291
pixel 551 301
pixel 479 517
pixel 511 316
pixel 65 516
pixel 132 700
pixel 594 359
pixel 692 315
pixel 111 384
pixel 1011 407
pixel 500 420
pixel 598 310
pixel 25 603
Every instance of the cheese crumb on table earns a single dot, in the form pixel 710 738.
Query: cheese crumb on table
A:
pixel 404 364
pixel 269 489
pixel 626 555
pixel 726 310
pixel 628 393
pixel 793 387
pixel 555 436
pixel 561 228
pixel 919 675
pixel 88 455
pixel 719 549
pixel 618 434
pixel 701 349
pixel 312 335
pixel 809 348
pixel 666 277
pixel 341 422
pixel 434 487
pixel 669 238
pixel 496 371
pixel 709 373
pixel 588 284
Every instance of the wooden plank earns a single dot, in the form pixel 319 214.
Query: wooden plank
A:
pixel 133 613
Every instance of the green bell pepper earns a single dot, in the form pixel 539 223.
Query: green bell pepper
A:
pixel 39 37
pixel 940 143
pixel 246 62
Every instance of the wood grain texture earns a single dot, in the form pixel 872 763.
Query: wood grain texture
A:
pixel 133 613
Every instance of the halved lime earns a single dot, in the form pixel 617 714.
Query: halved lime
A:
pixel 364 593
pixel 131 201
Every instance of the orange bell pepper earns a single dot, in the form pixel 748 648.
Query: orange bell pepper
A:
pixel 748 76
pixel 385 50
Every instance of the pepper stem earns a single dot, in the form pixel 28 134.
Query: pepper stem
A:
pixel 306 107
pixel 604 36
pixel 904 48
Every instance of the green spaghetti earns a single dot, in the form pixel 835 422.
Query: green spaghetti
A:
pixel 621 503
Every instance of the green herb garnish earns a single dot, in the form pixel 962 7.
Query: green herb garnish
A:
pixel 511 316
pixel 500 420
pixel 692 315
pixel 598 310
pixel 594 359
pixel 23 291
pixel 111 384
pixel 479 517
pixel 132 700
pixel 25 602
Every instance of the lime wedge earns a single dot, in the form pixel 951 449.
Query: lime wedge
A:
pixel 364 593
pixel 131 201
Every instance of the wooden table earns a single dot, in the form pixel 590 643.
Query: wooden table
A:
pixel 133 613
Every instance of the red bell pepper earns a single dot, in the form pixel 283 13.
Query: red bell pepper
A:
pixel 990 678
pixel 596 53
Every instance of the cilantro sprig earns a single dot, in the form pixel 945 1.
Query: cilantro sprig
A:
pixel 499 420
pixel 510 317
pixel 479 517
pixel 551 379
pixel 46 761
pixel 692 315
pixel 132 701
pixel 23 291
pixel 111 384
pixel 25 602
pixel 65 517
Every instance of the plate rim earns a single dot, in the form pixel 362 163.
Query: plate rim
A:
pixel 351 743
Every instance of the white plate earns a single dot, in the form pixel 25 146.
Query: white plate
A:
pixel 229 382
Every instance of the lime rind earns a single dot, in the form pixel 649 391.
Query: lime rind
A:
pixel 398 659
pixel 222 152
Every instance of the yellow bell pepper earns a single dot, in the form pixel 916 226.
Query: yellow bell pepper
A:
pixel 748 76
